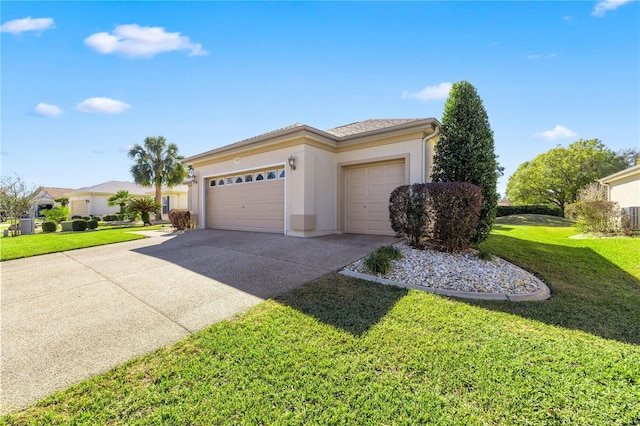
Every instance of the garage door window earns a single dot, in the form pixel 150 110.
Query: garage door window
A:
pixel 212 182
pixel 259 176
pixel 220 182
pixel 248 178
pixel 239 179
pixel 281 174
pixel 229 180
pixel 271 175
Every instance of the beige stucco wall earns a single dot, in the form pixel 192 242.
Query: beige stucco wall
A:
pixel 626 192
pixel 312 191
pixel 98 203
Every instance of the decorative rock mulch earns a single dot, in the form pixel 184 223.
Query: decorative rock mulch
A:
pixel 462 274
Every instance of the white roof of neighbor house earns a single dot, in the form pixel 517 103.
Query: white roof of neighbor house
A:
pixel 631 171
pixel 114 186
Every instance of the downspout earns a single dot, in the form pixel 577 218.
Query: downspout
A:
pixel 424 150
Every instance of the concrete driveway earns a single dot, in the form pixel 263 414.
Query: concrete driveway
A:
pixel 72 315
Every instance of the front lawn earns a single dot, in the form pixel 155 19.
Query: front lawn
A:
pixel 36 244
pixel 344 351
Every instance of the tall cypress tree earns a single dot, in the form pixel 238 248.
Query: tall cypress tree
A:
pixel 465 152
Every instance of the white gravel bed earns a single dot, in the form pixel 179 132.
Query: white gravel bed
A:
pixel 458 272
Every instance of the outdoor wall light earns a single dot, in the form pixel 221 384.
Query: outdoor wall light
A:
pixel 192 174
pixel 292 162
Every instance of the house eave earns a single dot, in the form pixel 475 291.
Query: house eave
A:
pixel 620 175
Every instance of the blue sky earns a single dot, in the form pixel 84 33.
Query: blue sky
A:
pixel 83 81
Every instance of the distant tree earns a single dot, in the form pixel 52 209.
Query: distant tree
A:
pixel 557 176
pixel 465 151
pixel 15 199
pixel 157 163
pixel 120 198
pixel 64 201
pixel 632 156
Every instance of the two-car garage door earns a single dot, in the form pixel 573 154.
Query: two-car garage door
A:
pixel 254 201
pixel 250 201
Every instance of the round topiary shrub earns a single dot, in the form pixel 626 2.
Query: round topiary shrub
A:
pixel 76 216
pixel 98 218
pixel 79 225
pixel 92 224
pixel 87 218
pixel 110 217
pixel 49 226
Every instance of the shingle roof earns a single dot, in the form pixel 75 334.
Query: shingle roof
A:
pixel 369 126
pixel 56 192
pixel 338 134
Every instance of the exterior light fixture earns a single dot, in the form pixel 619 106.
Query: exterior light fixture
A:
pixel 292 162
pixel 192 175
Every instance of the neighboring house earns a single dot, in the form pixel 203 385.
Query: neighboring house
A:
pixel 624 188
pixel 306 182
pixel 92 200
pixel 45 198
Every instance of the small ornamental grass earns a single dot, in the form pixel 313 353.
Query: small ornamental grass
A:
pixel 379 262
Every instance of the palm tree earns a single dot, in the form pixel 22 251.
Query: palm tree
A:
pixel 144 206
pixel 120 198
pixel 157 163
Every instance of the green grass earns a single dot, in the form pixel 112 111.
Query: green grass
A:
pixel 344 351
pixel 37 244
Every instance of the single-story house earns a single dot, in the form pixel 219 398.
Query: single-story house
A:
pixel 302 181
pixel 623 187
pixel 46 197
pixel 92 200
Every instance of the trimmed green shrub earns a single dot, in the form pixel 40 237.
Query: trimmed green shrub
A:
pixel 97 218
pixel 56 214
pixel 529 209
pixel 87 218
pixel 180 218
pixel 79 225
pixel 92 224
pixel 408 213
pixel 49 226
pixel 441 215
pixel 456 208
pixel 76 216
pixel 110 217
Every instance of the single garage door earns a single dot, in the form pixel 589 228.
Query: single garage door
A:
pixel 251 201
pixel 367 192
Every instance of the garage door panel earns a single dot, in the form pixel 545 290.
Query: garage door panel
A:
pixel 255 206
pixel 367 191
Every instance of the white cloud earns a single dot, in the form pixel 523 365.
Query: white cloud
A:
pixel 607 5
pixel 18 26
pixel 551 56
pixel 567 18
pixel 429 93
pixel 134 40
pixel 556 133
pixel 102 105
pixel 47 110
